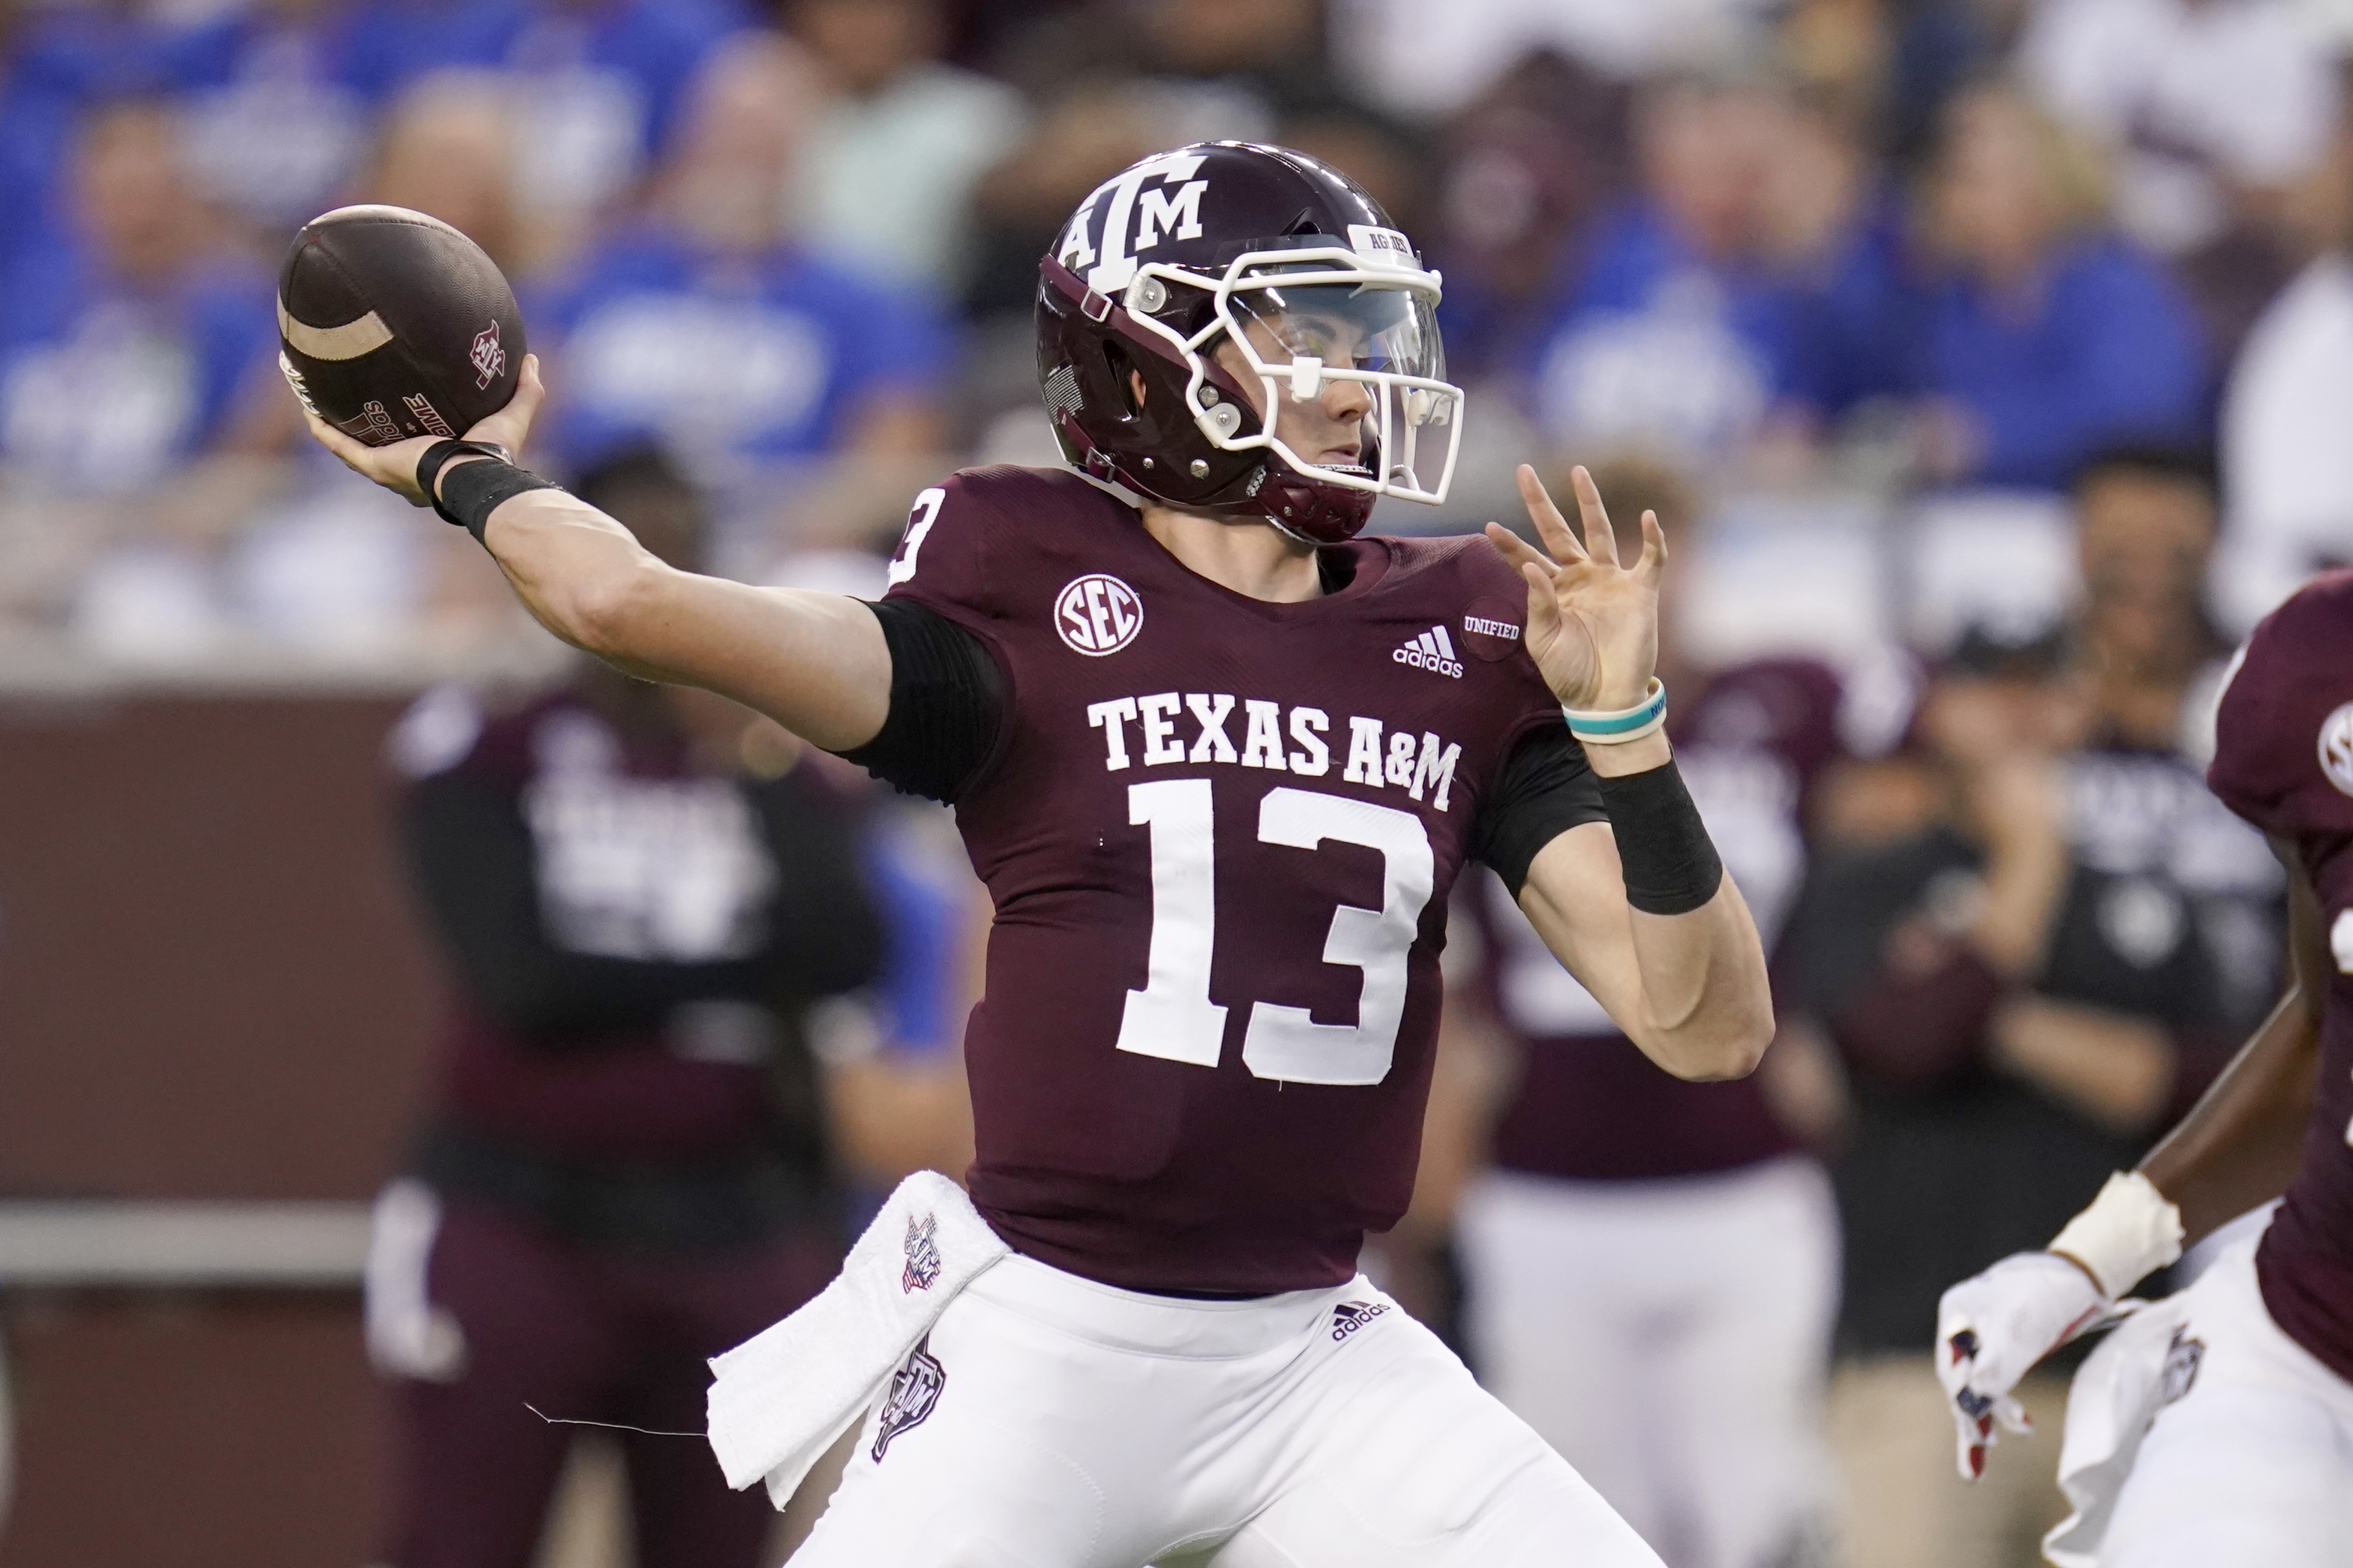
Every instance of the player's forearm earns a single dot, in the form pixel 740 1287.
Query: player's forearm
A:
pixel 572 566
pixel 2239 1145
pixel 814 662
pixel 1707 1004
pixel 1689 989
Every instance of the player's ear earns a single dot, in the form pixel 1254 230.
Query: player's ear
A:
pixel 1135 387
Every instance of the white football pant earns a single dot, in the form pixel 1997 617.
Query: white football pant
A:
pixel 2254 1463
pixel 1669 1338
pixel 1065 1424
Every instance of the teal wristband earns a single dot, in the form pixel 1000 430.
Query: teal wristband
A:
pixel 1624 724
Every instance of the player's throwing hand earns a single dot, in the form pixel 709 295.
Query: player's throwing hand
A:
pixel 1593 625
pixel 394 467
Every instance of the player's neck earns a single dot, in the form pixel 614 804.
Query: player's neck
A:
pixel 1248 555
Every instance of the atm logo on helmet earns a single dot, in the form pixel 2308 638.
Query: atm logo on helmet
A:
pixel 1134 218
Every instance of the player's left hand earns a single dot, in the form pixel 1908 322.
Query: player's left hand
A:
pixel 1593 625
pixel 394 467
pixel 1990 1330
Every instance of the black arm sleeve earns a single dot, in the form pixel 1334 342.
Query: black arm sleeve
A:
pixel 1546 788
pixel 475 867
pixel 947 705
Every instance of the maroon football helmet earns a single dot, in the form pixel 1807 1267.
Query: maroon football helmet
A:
pixel 1293 267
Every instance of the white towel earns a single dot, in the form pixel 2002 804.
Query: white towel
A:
pixel 784 1395
pixel 2115 1395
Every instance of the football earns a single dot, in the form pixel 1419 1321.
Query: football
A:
pixel 393 325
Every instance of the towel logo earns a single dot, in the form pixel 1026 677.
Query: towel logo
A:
pixel 2181 1359
pixel 915 1392
pixel 922 1269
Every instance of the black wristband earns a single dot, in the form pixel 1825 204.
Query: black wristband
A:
pixel 1663 851
pixel 434 458
pixel 473 491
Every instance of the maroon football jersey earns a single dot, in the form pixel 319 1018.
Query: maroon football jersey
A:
pixel 2283 760
pixel 1751 744
pixel 1219 836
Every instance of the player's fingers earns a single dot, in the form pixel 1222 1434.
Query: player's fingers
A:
pixel 350 451
pixel 1974 1438
pixel 1599 542
pixel 1654 563
pixel 1551 527
pixel 1518 551
pixel 1544 606
pixel 511 424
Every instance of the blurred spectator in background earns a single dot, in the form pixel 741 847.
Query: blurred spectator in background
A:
pixel 709 327
pixel 1674 339
pixel 2047 335
pixel 1681 1227
pixel 2024 992
pixel 138 342
pixel 1717 301
pixel 885 181
pixel 447 149
pixel 1525 164
pixel 599 89
pixel 1889 65
pixel 2211 108
pixel 63 62
pixel 137 390
pixel 625 1169
pixel 2287 468
pixel 1426 60
pixel 1120 81
pixel 276 118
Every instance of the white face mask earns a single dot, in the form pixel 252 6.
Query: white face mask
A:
pixel 1304 321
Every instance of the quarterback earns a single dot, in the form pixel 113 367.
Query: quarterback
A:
pixel 1218 760
pixel 2216 1426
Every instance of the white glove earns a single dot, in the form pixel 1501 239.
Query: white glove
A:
pixel 1990 1330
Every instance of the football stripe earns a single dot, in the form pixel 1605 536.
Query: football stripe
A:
pixel 348 341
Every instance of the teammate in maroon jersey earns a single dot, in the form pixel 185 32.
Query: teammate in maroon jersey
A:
pixel 2216 1426
pixel 1218 760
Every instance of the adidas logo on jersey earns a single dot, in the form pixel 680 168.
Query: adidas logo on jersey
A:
pixel 1350 1316
pixel 1433 649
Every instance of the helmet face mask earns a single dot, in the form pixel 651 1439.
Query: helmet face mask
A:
pixel 1304 321
pixel 1160 373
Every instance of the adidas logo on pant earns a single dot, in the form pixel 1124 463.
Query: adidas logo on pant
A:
pixel 1433 649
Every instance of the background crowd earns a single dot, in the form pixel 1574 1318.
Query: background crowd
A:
pixel 1990 362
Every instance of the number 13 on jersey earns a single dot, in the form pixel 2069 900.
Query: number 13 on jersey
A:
pixel 1172 1018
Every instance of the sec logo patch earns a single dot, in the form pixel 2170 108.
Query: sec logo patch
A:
pixel 1098 613
pixel 2337 748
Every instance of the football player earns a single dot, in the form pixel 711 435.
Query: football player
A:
pixel 1218 760
pixel 2217 1426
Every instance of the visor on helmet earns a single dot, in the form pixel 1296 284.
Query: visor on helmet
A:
pixel 1305 339
pixel 1303 316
